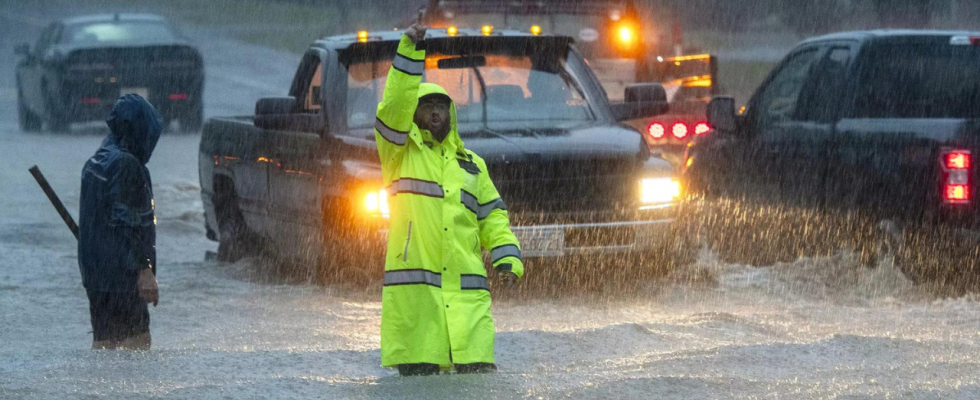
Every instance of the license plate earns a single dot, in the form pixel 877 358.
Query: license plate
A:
pixel 600 237
pixel 141 91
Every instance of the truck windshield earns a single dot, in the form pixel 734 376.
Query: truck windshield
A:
pixel 919 81
pixel 516 88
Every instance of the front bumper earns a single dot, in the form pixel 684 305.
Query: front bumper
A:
pixel 559 240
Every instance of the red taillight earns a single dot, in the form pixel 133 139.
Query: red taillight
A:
pixel 178 96
pixel 701 128
pixel 957 192
pixel 679 130
pixel 657 130
pixel 90 100
pixel 958 160
pixel 956 176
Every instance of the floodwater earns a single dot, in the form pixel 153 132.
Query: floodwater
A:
pixel 814 328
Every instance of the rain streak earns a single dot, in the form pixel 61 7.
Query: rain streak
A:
pixel 663 198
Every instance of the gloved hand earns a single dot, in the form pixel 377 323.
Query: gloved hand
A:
pixel 147 285
pixel 507 278
pixel 416 32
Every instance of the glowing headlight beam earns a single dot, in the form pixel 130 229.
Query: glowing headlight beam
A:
pixel 377 203
pixel 659 190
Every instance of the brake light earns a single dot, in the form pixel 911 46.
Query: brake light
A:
pixel 701 128
pixel 679 130
pixel 958 192
pixel 956 176
pixel 958 160
pixel 178 96
pixel 657 130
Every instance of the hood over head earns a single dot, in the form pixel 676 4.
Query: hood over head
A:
pixel 135 126
pixel 431 89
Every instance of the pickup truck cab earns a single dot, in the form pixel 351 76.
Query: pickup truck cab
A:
pixel 303 174
pixel 880 124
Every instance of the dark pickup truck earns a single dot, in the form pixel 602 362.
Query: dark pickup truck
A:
pixel 303 174
pixel 878 125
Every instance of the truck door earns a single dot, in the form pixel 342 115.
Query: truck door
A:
pixel 809 143
pixel 776 156
pixel 295 170
pixel 33 71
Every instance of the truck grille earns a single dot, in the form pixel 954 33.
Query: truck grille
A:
pixel 576 191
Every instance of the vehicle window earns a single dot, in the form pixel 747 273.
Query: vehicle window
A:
pixel 118 32
pixel 824 90
pixel 516 90
pixel 312 97
pixel 778 101
pixel 919 81
pixel 45 40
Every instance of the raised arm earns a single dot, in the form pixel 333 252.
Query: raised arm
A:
pixel 397 108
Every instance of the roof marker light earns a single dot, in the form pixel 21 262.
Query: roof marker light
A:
pixel 679 130
pixel 657 130
pixel 701 128
pixel 487 30
pixel 452 31
pixel 536 29
pixel 362 36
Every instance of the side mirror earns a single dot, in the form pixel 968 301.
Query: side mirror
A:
pixel 643 100
pixel 275 113
pixel 23 50
pixel 721 113
pixel 283 114
pixel 645 92
pixel 275 106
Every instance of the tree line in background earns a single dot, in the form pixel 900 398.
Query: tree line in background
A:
pixel 810 17
pixel 804 17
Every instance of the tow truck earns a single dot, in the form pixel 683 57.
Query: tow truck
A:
pixel 621 46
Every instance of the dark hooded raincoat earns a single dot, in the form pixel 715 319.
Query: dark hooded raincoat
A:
pixel 117 227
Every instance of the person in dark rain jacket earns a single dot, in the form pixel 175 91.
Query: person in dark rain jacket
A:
pixel 117 228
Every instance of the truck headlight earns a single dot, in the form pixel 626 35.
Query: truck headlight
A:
pixel 376 203
pixel 659 190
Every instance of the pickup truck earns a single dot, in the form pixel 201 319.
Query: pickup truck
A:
pixel 302 176
pixel 875 126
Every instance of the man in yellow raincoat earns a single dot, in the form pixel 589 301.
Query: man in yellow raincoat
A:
pixel 436 301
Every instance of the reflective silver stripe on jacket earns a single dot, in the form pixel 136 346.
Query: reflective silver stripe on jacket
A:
pixel 412 277
pixel 415 186
pixel 481 210
pixel 486 209
pixel 470 201
pixel 473 282
pixel 408 65
pixel 396 137
pixel 507 250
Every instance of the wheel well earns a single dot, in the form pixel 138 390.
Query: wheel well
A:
pixel 225 197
